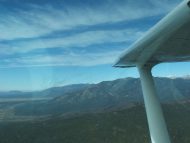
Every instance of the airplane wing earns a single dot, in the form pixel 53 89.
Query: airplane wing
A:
pixel 167 41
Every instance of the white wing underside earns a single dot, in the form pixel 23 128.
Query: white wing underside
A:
pixel 167 41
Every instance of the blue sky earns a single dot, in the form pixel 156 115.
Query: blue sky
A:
pixel 46 43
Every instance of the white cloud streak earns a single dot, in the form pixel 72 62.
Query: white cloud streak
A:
pixel 88 59
pixel 80 40
pixel 40 20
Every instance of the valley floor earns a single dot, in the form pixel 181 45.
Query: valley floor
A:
pixel 119 126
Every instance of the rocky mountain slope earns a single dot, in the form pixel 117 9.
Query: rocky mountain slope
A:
pixel 107 95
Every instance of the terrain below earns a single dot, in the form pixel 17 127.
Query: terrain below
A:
pixel 119 126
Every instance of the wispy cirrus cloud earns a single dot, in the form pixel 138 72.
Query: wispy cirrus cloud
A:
pixel 38 20
pixel 71 59
pixel 80 40
pixel 29 27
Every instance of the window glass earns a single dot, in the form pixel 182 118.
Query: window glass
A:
pixel 57 80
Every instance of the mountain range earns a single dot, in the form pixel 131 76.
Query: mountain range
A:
pixel 106 95
pixel 110 111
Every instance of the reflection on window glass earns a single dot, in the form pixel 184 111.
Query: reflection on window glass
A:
pixel 57 80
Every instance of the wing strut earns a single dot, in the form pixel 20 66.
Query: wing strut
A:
pixel 156 122
pixel 167 41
